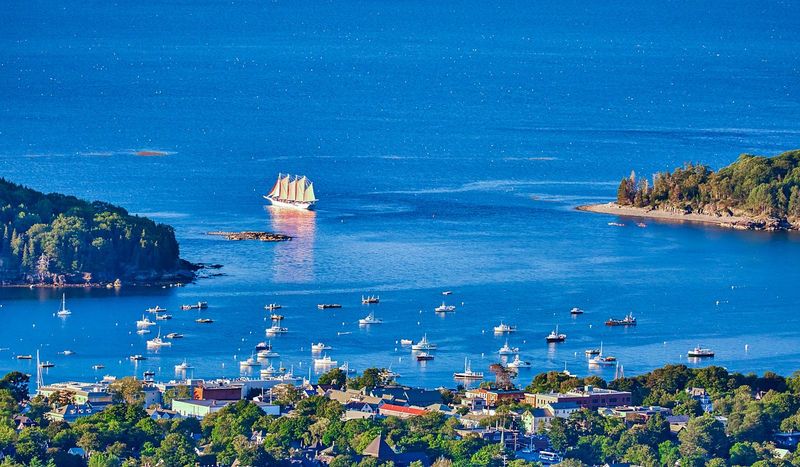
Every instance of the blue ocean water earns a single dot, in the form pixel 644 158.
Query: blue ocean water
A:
pixel 449 143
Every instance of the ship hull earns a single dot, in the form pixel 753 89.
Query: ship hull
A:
pixel 297 205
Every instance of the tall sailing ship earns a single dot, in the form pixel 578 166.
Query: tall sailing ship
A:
pixel 292 192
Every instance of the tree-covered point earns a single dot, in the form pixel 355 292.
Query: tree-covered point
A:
pixel 753 186
pixel 54 238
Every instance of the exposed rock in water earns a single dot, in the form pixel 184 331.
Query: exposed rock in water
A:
pixel 253 235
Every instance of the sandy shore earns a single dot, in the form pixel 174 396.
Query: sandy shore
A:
pixel 630 211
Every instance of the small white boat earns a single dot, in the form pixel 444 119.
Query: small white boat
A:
pixel 67 352
pixel 142 332
pixel 47 364
pixel 447 292
pixel 346 368
pixel 554 336
pixel 276 329
pixel 156 309
pixel 699 352
pixel 144 322
pixel 444 308
pixel 250 362
pixel 272 306
pixel 63 312
pixel 424 357
pixel 264 346
pixel 518 363
pixel 157 342
pixel 324 361
pixel 576 311
pixel 406 341
pixel 424 344
pixel 370 319
pixel 387 374
pixel 602 360
pixel 174 335
pixel 468 374
pixel 98 367
pixel 137 358
pixel 503 328
pixel 163 317
pixel 183 366
pixel 265 354
pixel 507 350
pixel 591 352
pixel 268 372
pixel 319 347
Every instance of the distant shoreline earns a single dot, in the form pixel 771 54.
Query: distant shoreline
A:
pixel 730 222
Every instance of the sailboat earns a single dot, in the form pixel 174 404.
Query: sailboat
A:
pixel 297 193
pixel 63 312
pixel 602 360
pixel 468 373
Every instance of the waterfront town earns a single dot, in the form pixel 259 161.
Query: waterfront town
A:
pixel 661 418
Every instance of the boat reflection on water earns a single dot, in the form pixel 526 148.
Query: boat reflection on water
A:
pixel 294 260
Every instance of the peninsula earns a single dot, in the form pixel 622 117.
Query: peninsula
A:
pixel 753 193
pixel 59 240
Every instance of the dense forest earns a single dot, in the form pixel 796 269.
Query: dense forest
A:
pixel 753 186
pixel 747 411
pixel 54 238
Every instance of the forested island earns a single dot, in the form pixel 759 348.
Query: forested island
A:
pixel 55 239
pixel 755 192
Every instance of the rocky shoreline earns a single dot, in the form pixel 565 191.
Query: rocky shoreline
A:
pixel 729 220
pixel 253 235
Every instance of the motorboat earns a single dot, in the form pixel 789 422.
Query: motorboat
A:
pixel 163 317
pixel 324 361
pixel 276 329
pixel 424 344
pixel 628 320
pixel 265 354
pixel 46 364
pixel 406 341
pixel 142 332
pixel 67 352
pixel 370 319
pixel 24 357
pixel 507 350
pixel 272 306
pixel 592 352
pixel 444 308
pixel 174 335
pixel 424 356
pixel 98 367
pixel 554 336
pixel 503 328
pixel 576 311
pixel 137 358
pixel 468 374
pixel 319 347
pixel 268 372
pixel 156 309
pixel 518 363
pixel 699 352
pixel 204 320
pixel 447 292
pixel 325 306
pixel 346 368
pixel 63 312
pixel 276 317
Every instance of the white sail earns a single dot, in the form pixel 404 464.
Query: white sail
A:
pixel 292 196
pixel 309 195
pixel 301 189
pixel 284 188
pixel 276 190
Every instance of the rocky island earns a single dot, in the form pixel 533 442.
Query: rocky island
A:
pixel 59 240
pixel 253 235
pixel 753 193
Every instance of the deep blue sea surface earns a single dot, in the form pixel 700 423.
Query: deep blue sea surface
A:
pixel 449 143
